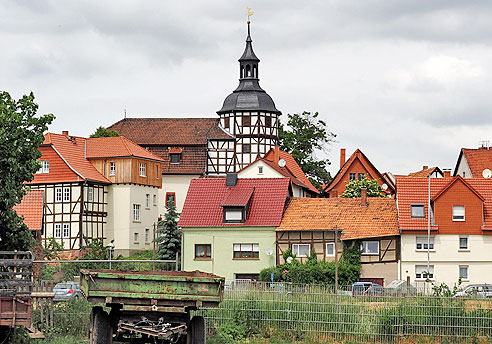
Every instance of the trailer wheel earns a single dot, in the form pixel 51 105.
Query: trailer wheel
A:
pixel 101 332
pixel 197 333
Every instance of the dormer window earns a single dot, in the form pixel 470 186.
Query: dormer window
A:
pixel 235 205
pixel 234 214
pixel 175 155
pixel 175 158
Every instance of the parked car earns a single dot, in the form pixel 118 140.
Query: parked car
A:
pixel 476 290
pixel 66 290
pixel 366 288
pixel 400 287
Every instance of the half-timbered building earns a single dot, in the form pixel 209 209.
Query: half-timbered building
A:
pixel 323 225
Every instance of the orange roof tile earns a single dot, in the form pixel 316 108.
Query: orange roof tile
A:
pixel 424 173
pixel 478 160
pixel 378 219
pixel 238 197
pixel 31 207
pixel 106 147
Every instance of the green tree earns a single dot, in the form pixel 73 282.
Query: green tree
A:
pixel 103 132
pixel 168 236
pixel 302 136
pixel 352 189
pixel 21 133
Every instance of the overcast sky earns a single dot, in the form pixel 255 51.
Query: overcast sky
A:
pixel 407 82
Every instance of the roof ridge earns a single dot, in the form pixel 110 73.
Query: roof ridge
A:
pixel 122 138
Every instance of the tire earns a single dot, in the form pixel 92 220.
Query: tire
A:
pixel 198 332
pixel 101 332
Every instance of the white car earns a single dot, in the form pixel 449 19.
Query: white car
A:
pixel 476 290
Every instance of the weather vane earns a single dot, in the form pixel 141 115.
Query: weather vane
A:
pixel 249 13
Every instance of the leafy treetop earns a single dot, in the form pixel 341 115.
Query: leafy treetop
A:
pixel 301 137
pixel 21 133
pixel 103 132
pixel 352 189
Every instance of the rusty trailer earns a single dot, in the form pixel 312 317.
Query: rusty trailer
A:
pixel 149 306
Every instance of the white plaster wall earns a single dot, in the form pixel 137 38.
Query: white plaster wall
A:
pixel 252 171
pixel 463 167
pixel 178 184
pixel 446 258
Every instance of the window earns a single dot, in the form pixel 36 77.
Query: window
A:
pixel 156 171
pixel 422 272
pixel 370 247
pixel 463 243
pixel 422 243
pixel 301 250
pixel 90 194
pixel 247 251
pixel 174 158
pixel 418 211
pixel 147 201
pixel 57 231
pixel 203 251
pixel 112 168
pixel 45 167
pixel 246 121
pixel 66 230
pixel 260 169
pixel 330 249
pixel 147 235
pixel 136 212
pixel 58 194
pixel 226 122
pixel 361 176
pixel 170 199
pixel 458 213
pixel 268 121
pixel 352 176
pixel 143 170
pixel 135 238
pixel 463 272
pixel 154 200
pixel 66 194
pixel 234 215
pixel 246 148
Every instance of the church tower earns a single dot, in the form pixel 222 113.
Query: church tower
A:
pixel 249 114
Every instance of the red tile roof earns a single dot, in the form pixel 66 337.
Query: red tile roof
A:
pixel 109 147
pixel 415 190
pixel 425 172
pixel 31 207
pixel 378 219
pixel 193 160
pixel 203 204
pixel 478 160
pixel 170 131
pixel 238 197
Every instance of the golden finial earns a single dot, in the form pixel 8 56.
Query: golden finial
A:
pixel 249 14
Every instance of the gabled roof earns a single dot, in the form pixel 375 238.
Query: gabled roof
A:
pixel 357 155
pixel 203 204
pixel 478 159
pixel 31 208
pixel 425 172
pixel 72 150
pixel 170 131
pixel 112 147
pixel 415 191
pixel 377 219
pixel 238 197
pixel 291 170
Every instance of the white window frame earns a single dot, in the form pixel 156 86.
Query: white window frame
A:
pixel 147 235
pixel 260 169
pixel 457 216
pixel 135 238
pixel 467 269
pixel 296 250
pixel 58 194
pixel 136 212
pixel 364 247
pixel 143 169
pixel 66 194
pixel 422 241
pixel 45 167
pixel 420 275
pixel 467 243
pixel 90 194
pixel 253 248
pixel 331 244
pixel 66 231
pixel 233 215
pixel 57 231
pixel 147 201
pixel 112 168
pixel 420 206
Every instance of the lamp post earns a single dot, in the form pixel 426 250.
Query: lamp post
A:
pixel 111 248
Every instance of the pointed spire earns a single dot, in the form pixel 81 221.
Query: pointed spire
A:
pixel 249 54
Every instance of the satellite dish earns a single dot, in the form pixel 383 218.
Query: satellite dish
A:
pixel 269 251
pixel 289 260
pixel 384 187
pixel 487 173
pixel 282 163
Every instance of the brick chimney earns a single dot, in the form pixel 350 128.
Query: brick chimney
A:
pixel 65 132
pixel 425 167
pixel 276 154
pixel 447 173
pixel 363 197
pixel 342 157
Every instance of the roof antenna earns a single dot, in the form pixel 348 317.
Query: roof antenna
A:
pixel 125 112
